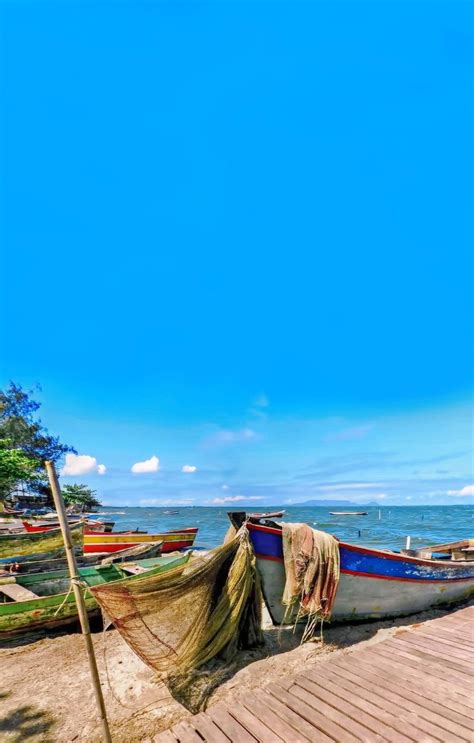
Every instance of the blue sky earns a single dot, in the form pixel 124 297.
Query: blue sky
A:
pixel 237 236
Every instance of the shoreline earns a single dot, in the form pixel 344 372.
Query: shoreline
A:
pixel 48 698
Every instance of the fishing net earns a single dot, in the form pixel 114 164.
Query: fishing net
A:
pixel 188 625
pixel 312 567
pixel 40 542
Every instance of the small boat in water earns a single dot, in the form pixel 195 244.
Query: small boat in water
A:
pixel 269 515
pixel 373 584
pixel 348 513
pixel 43 600
pixel 172 540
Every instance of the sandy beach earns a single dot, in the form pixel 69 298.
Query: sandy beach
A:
pixel 46 694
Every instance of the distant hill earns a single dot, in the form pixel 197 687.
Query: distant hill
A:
pixel 334 503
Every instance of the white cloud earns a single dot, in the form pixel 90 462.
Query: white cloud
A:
pixel 262 401
pixel 236 499
pixel 466 490
pixel 188 468
pixel 225 487
pixel 149 465
pixel 81 464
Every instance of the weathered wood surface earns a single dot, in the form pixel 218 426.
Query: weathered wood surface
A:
pixel 416 687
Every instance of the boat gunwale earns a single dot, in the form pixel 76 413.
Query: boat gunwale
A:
pixel 364 550
pixel 33 535
pixel 68 596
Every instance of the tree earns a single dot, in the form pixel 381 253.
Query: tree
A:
pixel 80 495
pixel 15 467
pixel 21 431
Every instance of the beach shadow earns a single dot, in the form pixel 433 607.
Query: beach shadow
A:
pixel 26 723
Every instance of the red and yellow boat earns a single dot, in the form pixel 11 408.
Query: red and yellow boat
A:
pixel 113 542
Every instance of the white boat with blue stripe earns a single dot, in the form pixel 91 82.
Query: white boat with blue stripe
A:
pixel 374 584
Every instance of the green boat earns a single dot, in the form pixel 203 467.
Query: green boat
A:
pixel 39 601
pixel 58 561
pixel 14 546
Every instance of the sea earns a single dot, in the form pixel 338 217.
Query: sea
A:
pixel 384 527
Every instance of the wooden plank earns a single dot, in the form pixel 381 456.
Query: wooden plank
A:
pixel 316 718
pixel 422 696
pixel 457 620
pixel 208 730
pixel 413 683
pixel 401 658
pixel 401 726
pixel 404 668
pixel 165 737
pixel 225 722
pixel 427 650
pixel 414 652
pixel 460 635
pixel 258 705
pixel 305 731
pixel 364 718
pixel 17 592
pixel 389 700
pixel 253 725
pixel 458 654
pixel 447 638
pixel 339 719
pixel 186 733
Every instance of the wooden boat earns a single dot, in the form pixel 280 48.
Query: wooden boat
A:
pixel 374 584
pixel 13 546
pixel 138 552
pixel 348 513
pixel 270 515
pixel 90 526
pixel 172 540
pixel 43 600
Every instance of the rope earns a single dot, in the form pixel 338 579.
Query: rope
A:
pixel 74 582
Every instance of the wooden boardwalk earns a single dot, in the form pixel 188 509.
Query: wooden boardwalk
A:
pixel 415 686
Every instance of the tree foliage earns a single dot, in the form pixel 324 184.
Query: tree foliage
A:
pixel 80 495
pixel 22 433
pixel 15 467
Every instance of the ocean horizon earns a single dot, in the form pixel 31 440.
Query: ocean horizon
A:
pixel 384 527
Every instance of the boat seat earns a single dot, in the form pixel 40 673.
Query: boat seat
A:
pixel 133 569
pixel 17 593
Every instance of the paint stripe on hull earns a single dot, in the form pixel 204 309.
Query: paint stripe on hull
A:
pixel 117 546
pixel 359 597
pixel 373 584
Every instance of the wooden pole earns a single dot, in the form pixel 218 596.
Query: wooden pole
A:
pixel 81 607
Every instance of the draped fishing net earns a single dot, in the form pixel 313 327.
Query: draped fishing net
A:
pixel 312 567
pixel 188 625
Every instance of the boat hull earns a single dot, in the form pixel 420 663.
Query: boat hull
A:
pixel 29 544
pixel 91 527
pixel 108 543
pixel 373 584
pixel 58 609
